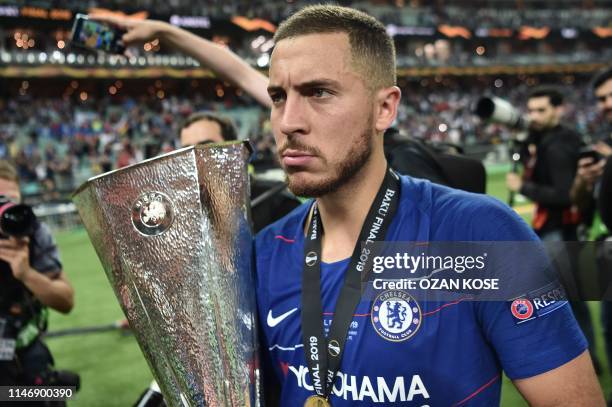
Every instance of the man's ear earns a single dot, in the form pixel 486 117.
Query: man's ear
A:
pixel 387 100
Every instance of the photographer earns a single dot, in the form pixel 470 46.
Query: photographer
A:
pixel 31 279
pixel 549 158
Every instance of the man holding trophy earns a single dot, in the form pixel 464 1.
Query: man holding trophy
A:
pixel 184 284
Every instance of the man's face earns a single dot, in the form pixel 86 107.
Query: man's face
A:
pixel 322 113
pixel 200 132
pixel 542 114
pixel 603 94
pixel 10 189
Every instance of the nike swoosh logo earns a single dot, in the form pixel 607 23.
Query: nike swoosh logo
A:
pixel 272 321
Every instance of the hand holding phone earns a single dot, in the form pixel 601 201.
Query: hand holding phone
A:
pixel 97 35
pixel 590 166
pixel 589 152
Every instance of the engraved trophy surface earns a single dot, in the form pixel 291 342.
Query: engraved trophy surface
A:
pixel 174 239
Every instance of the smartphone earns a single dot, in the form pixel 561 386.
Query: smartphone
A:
pixel 589 152
pixel 96 35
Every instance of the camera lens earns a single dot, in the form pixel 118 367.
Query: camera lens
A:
pixel 17 220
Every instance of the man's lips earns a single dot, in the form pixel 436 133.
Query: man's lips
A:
pixel 296 157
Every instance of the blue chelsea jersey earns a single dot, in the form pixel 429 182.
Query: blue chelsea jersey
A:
pixel 457 354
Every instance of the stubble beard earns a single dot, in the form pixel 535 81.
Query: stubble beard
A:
pixel 354 160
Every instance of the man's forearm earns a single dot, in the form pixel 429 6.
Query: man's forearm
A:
pixel 54 293
pixel 222 61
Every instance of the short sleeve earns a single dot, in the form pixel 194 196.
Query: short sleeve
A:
pixel 529 337
pixel 528 348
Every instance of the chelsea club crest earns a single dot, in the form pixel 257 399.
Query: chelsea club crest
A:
pixel 396 316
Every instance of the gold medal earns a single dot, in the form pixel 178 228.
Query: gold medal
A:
pixel 317 401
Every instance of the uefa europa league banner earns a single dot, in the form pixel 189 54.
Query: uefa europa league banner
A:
pixel 174 238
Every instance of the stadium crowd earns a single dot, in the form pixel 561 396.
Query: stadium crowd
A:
pixel 475 14
pixel 59 142
pixel 48 45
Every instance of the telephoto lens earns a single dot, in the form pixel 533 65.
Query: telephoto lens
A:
pixel 16 219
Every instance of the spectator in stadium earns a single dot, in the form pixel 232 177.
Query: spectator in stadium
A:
pixel 208 127
pixel 590 187
pixel 330 107
pixel 31 281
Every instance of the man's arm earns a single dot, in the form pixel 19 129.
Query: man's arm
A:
pixel 572 384
pixel 56 293
pixel 220 60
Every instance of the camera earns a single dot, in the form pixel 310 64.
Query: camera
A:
pixel 16 219
pixel 500 111
pixel 61 378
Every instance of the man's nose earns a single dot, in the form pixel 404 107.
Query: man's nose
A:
pixel 293 120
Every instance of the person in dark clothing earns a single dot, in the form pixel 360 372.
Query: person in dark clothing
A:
pixel 31 282
pixel 411 156
pixel 592 192
pixel 588 185
pixel 550 156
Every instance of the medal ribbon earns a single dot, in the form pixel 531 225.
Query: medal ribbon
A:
pixel 323 355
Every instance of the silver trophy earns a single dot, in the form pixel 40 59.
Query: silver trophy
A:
pixel 174 238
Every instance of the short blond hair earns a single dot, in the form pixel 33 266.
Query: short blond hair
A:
pixel 372 49
pixel 8 172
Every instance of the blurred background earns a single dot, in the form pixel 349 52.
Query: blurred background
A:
pixel 67 114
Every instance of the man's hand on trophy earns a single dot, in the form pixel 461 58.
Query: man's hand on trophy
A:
pixel 16 252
